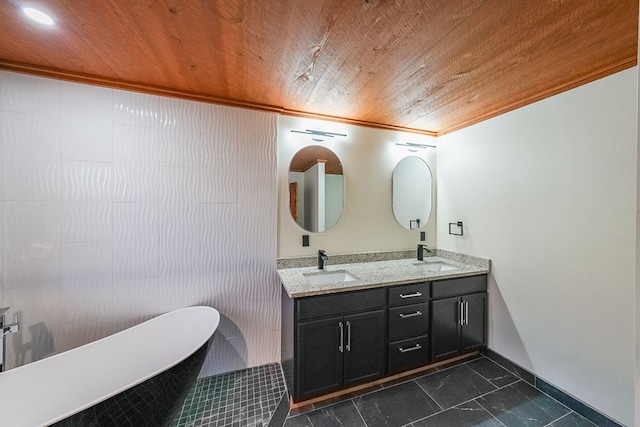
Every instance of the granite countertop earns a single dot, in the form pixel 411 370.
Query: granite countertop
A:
pixel 373 274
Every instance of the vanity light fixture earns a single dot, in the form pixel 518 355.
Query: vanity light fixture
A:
pixel 413 147
pixel 38 16
pixel 317 133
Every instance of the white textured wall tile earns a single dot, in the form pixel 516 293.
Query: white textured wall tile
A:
pixel 21 93
pixel 180 261
pixel 72 336
pixel 179 210
pixel 178 186
pixel 220 240
pixel 136 241
pixel 181 221
pixel 31 244
pixel 137 175
pixel 29 157
pixel 139 109
pixel 86 284
pixel 86 221
pixel 181 142
pixel 38 311
pixel 135 300
pixel 87 181
pixel 86 122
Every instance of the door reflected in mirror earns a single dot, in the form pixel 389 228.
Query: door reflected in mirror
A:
pixel 316 188
pixel 411 192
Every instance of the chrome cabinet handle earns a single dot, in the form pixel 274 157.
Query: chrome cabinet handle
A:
pixel 466 312
pixel 414 348
pixel 348 336
pixel 341 337
pixel 405 316
pixel 460 313
pixel 416 294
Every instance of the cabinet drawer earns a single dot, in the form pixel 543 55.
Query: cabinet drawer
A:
pixel 408 354
pixel 461 286
pixel 408 321
pixel 408 294
pixel 339 304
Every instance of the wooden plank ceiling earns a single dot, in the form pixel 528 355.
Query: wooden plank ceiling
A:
pixel 425 65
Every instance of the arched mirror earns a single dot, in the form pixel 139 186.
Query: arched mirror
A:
pixel 412 192
pixel 316 188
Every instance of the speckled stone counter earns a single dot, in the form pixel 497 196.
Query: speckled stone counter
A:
pixel 374 273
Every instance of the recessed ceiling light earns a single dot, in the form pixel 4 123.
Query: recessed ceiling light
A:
pixel 38 16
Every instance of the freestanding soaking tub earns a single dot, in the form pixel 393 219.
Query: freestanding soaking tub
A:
pixel 137 377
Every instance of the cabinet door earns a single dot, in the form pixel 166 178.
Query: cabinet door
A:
pixel 473 335
pixel 365 345
pixel 319 361
pixel 445 328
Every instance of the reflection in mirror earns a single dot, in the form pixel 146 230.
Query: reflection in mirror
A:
pixel 315 188
pixel 412 192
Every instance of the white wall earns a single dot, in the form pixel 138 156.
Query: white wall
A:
pixel 118 206
pixel 368 158
pixel 548 193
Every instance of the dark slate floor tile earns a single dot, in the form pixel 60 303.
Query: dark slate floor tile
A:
pixel 519 404
pixel 396 406
pixel 341 414
pixel 469 414
pixel 455 385
pixel 572 403
pixel 510 366
pixel 572 420
pixel 498 376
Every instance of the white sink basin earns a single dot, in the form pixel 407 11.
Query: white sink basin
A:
pixel 435 266
pixel 330 277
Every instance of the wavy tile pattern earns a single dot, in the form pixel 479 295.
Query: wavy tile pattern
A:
pixel 117 206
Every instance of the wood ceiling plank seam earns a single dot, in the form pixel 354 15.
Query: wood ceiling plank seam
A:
pixel 529 82
pixel 621 66
pixel 288 39
pixel 197 64
pixel 229 47
pixel 462 83
pixel 306 78
pixel 330 88
pixel 337 63
pixel 529 86
pixel 422 56
pixel 342 80
pixel 453 68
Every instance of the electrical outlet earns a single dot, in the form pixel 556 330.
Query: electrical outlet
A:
pixel 305 240
pixel 423 236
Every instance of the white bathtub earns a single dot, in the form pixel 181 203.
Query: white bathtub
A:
pixel 53 389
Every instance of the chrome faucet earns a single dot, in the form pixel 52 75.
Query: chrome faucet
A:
pixel 6 329
pixel 422 248
pixel 322 258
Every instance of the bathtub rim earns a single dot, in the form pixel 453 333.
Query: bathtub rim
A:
pixel 208 314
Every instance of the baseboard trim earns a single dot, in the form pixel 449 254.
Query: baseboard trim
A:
pixel 593 415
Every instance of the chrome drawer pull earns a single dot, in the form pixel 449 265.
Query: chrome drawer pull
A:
pixel 417 294
pixel 404 316
pixel 406 350
pixel 340 348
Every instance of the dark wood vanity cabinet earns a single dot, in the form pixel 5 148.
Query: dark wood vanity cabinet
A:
pixel 335 341
pixel 339 341
pixel 408 335
pixel 458 316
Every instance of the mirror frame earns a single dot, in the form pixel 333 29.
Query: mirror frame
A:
pixel 404 180
pixel 329 164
